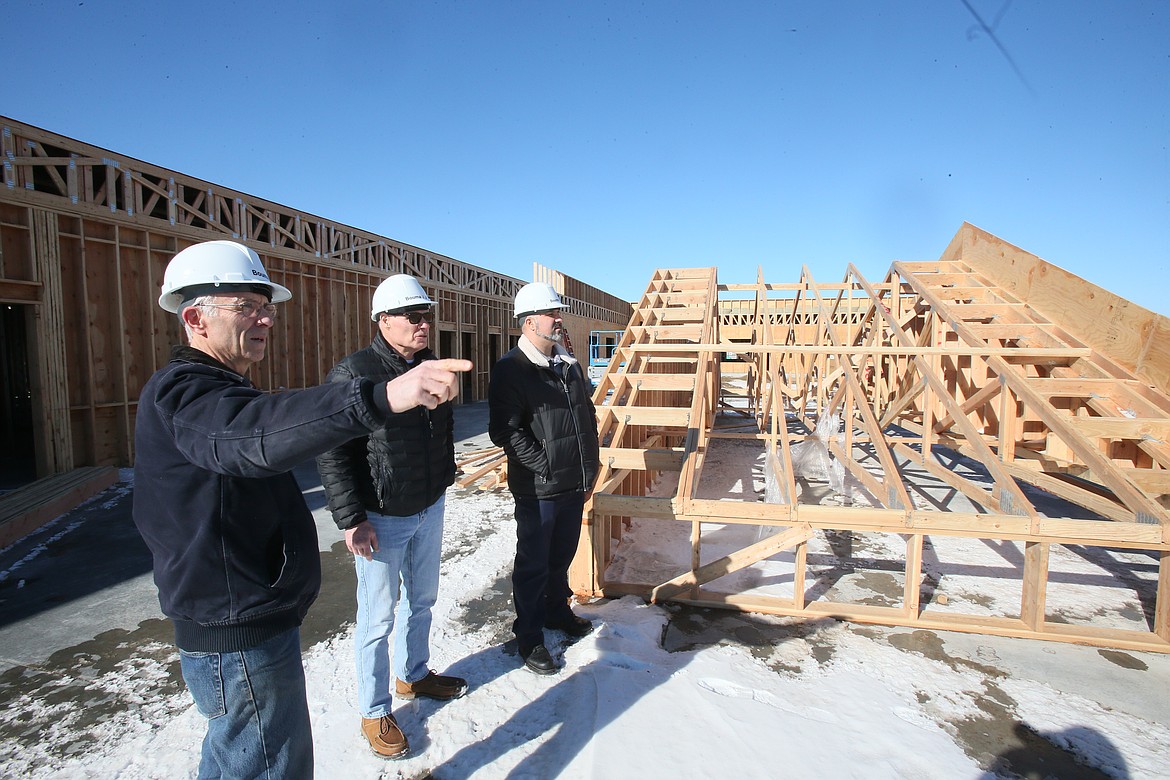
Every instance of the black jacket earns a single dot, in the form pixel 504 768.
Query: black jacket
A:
pixel 546 425
pixel 401 468
pixel 234 545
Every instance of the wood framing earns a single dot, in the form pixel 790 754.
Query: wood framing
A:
pixel 86 233
pixel 986 398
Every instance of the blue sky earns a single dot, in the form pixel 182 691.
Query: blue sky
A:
pixel 608 139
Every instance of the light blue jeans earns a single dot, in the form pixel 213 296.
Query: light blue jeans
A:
pixel 257 714
pixel 404 574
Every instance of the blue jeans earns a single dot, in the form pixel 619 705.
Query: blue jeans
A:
pixel 256 710
pixel 547 531
pixel 403 573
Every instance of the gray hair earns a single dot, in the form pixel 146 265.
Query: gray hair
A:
pixel 196 301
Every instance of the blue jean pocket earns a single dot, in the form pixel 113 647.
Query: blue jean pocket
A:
pixel 204 678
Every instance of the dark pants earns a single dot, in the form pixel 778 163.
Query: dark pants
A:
pixel 547 531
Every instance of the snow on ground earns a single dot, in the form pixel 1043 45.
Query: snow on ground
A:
pixel 676 692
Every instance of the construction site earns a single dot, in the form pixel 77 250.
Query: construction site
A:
pixel 975 444
pixel 885 431
pixel 899 450
pixel 85 234
pixel 871 308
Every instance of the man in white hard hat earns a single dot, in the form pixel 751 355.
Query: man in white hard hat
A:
pixel 542 415
pixel 386 490
pixel 234 545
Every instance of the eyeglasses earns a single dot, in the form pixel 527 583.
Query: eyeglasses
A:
pixel 547 313
pixel 416 317
pixel 249 309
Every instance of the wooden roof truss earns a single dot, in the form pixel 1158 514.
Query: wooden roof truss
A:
pixel 936 362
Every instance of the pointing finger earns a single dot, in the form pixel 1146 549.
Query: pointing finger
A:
pixel 457 365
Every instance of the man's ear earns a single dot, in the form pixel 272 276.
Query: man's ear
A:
pixel 193 318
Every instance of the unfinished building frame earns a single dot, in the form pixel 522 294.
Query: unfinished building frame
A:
pixel 85 236
pixel 987 398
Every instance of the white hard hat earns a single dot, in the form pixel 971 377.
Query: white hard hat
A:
pixel 536 296
pixel 401 291
pixel 213 264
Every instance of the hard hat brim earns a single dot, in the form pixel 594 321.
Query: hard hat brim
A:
pixel 171 301
pixel 550 307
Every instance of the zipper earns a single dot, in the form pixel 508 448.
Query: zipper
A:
pixel 576 426
pixel 427 447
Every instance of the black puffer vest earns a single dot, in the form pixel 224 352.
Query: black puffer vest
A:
pixel 399 469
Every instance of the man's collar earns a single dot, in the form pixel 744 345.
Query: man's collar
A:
pixel 386 348
pixel 533 353
pixel 188 354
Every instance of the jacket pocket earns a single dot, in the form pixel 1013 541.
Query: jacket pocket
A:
pixel 546 474
pixel 279 560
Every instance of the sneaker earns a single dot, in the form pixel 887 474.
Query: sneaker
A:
pixel 433 686
pixel 538 660
pixel 386 739
pixel 571 624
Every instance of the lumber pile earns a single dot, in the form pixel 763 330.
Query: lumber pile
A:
pixel 27 508
pixel 488 467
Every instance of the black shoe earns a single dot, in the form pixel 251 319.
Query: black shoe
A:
pixel 571 624
pixel 538 660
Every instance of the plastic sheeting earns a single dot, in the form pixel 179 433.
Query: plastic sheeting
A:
pixel 811 461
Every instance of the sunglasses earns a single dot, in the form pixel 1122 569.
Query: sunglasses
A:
pixel 416 317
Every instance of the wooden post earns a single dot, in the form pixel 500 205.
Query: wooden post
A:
pixel 912 587
pixel 1035 585
pixel 1162 600
pixel 52 426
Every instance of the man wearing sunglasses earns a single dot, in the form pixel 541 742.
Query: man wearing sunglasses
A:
pixel 541 414
pixel 386 491
pixel 234 545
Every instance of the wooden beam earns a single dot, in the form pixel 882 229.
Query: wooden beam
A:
pixel 765 548
pixel 17 291
pixel 633 506
pixel 646 415
pixel 682 382
pixel 1121 428
pixel 643 459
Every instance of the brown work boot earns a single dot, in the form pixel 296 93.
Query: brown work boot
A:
pixel 386 739
pixel 433 686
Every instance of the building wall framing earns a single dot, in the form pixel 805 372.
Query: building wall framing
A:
pixel 85 235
